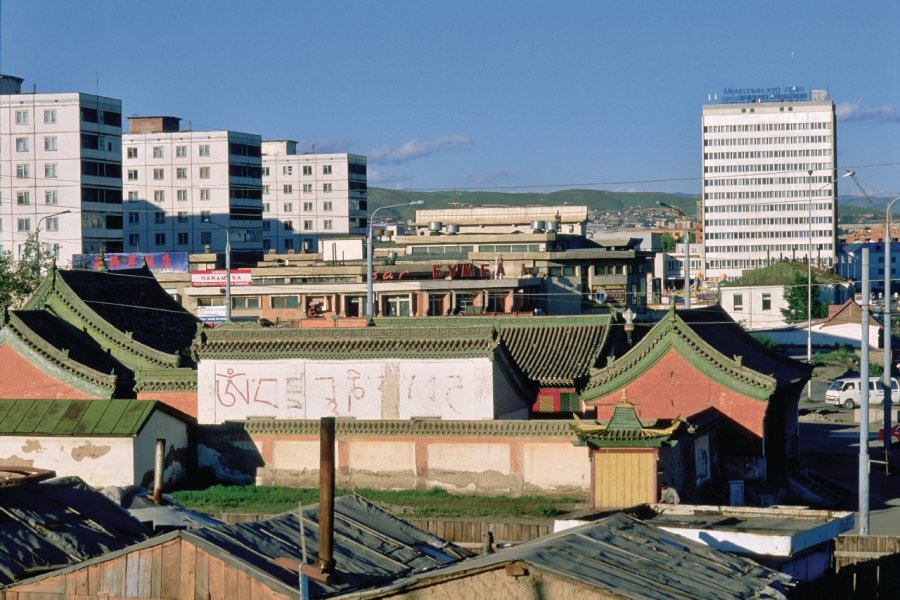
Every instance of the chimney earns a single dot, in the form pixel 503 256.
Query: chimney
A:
pixel 158 468
pixel 323 569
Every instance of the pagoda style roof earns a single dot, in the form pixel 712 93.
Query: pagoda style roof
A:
pixel 625 430
pixel 127 312
pixel 65 352
pixel 712 342
pixel 108 418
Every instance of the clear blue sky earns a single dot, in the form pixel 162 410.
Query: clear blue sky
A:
pixel 475 94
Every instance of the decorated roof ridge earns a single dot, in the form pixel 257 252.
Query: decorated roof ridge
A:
pixel 671 332
pixel 61 366
pixel 53 292
pixel 624 429
pixel 498 322
pixel 405 427
pixel 165 380
pixel 224 335
pixel 54 417
pixel 556 356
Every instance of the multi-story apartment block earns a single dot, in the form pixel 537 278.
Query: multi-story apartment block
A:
pixel 769 179
pixel 60 171
pixel 309 197
pixel 183 189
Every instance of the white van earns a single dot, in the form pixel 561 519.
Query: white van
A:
pixel 846 392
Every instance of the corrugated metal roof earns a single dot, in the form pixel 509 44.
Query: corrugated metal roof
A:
pixel 59 522
pixel 625 557
pixel 74 417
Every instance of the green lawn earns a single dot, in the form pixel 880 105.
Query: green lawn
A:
pixel 435 502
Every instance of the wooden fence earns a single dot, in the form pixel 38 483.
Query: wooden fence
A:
pixel 866 567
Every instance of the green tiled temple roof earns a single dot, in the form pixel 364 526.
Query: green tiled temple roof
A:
pixel 403 428
pixel 625 430
pixel 713 343
pixel 114 418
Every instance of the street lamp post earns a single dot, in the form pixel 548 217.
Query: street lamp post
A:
pixel 37 238
pixel 886 312
pixel 208 221
pixel 370 293
pixel 687 253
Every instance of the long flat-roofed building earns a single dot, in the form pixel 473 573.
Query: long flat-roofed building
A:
pixel 60 171
pixel 769 188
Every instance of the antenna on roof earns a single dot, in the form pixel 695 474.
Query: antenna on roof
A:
pixel 792 70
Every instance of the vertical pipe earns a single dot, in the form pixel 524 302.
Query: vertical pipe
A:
pixel 158 466
pixel 228 275
pixel 864 401
pixel 325 561
pixel 888 335
pixel 687 262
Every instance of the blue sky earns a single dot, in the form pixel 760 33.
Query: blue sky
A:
pixel 475 94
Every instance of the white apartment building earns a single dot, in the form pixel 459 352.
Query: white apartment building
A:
pixel 183 189
pixel 60 171
pixel 769 179
pixel 310 197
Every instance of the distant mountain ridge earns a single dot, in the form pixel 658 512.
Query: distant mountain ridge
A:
pixel 851 209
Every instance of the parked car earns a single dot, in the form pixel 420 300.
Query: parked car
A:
pixel 846 391
pixel 895 434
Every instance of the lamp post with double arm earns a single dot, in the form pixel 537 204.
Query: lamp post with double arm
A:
pixel 687 252
pixel 37 240
pixel 370 292
pixel 224 228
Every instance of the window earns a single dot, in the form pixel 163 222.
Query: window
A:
pixel 131 152
pixel 23 171
pixel 307 188
pixel 287 170
pixel 288 207
pixel 181 195
pixel 134 239
pixel 267 207
pixel 307 206
pixel 204 216
pixel 327 206
pixel 159 217
pixel 181 173
pixel 158 152
pixel 307 225
pixel 21 117
pixel 159 195
pixel 326 169
pixel 51 197
pixel 265 171
pixel 50 116
pixel 182 216
pixel 738 302
pixel 50 170
pixel 132 175
pixel 24 224
pixel 159 174
pixel 53 224
pixel 160 239
pixel 267 225
pixel 767 301
pixel 50 143
pixel 243 302
pixel 133 196
pixel 288 225
pixel 307 169
pixel 206 238
pixel 22 144
pixel 23 198
pixel 288 244
pixel 204 172
pixel 182 239
pixel 180 151
pixel 328 225
pixel 284 302
pixel 134 217
pixel 204 193
pixel 326 187
pixel 288 188
pixel 204 150
pixel 266 190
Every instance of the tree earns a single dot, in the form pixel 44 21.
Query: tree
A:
pixel 19 279
pixel 795 296
pixel 667 241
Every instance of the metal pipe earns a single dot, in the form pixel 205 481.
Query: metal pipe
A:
pixel 325 561
pixel 209 221
pixel 158 467
pixel 809 283
pixel 863 471
pixel 888 336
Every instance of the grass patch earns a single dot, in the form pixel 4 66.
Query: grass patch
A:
pixel 435 502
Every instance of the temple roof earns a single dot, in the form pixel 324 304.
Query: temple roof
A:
pixel 625 430
pixel 75 417
pixel 710 340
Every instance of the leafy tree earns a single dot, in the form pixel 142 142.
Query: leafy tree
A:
pixel 667 241
pixel 795 296
pixel 19 279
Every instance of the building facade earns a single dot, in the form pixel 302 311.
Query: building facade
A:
pixel 60 171
pixel 183 189
pixel 308 197
pixel 769 187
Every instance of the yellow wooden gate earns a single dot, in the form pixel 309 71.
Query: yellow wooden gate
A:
pixel 624 477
